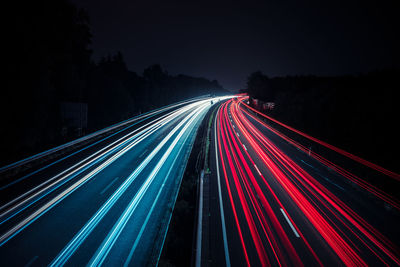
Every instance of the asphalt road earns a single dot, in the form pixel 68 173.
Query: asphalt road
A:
pixel 107 203
pixel 269 201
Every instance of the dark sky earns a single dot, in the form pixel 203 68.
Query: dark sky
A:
pixel 227 40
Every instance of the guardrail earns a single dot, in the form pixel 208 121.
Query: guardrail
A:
pixel 96 133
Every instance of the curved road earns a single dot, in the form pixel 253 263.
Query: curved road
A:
pixel 269 202
pixel 109 203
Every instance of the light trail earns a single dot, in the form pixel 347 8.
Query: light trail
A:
pixel 102 252
pixel 99 132
pixel 262 219
pixel 170 134
pixel 272 210
pixel 336 149
pixel 221 205
pixel 279 184
pixel 58 180
pixel 354 178
pixel 377 238
pixel 73 245
pixel 231 198
pixel 42 190
pixel 50 204
pixel 338 206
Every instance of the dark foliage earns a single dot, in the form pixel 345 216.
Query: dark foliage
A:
pixel 356 113
pixel 48 62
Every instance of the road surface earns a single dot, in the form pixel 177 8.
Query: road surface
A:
pixel 108 203
pixel 269 201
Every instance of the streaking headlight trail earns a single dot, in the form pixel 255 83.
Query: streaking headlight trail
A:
pixel 108 206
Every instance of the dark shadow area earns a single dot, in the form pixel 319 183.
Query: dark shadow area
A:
pixel 356 113
pixel 54 92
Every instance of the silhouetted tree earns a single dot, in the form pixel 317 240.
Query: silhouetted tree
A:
pixel 353 112
pixel 47 59
pixel 259 87
pixel 48 62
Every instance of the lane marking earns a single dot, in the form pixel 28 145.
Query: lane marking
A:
pixel 31 261
pixel 290 224
pixel 221 207
pixel 255 166
pixel 199 223
pixel 341 188
pixel 244 147
pixel 80 237
pixel 129 258
pixel 238 134
pixel 46 207
pixel 108 186
pixel 308 164
pixel 141 155
pixel 140 116
pixel 112 237
pixel 53 183
pixel 330 181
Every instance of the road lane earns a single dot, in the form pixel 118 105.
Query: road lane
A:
pixel 283 207
pixel 115 212
pixel 15 182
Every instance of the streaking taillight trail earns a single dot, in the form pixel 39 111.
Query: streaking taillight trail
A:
pixel 336 149
pixel 264 183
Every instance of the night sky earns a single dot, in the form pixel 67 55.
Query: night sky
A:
pixel 227 40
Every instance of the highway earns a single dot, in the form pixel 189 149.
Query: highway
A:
pixel 272 202
pixel 108 202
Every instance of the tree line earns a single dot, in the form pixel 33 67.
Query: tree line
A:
pixel 48 61
pixel 358 113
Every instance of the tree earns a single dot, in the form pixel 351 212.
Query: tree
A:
pixel 259 86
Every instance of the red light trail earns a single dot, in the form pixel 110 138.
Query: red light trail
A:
pixel 289 214
pixel 338 150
